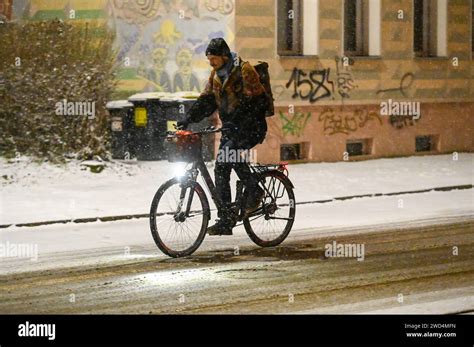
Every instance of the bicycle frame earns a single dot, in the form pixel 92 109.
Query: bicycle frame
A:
pixel 200 166
pixel 186 221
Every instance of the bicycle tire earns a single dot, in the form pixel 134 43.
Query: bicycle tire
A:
pixel 165 248
pixel 275 175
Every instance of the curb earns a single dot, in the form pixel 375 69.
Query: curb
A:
pixel 146 215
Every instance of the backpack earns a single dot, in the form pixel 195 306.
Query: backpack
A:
pixel 262 70
pixel 264 76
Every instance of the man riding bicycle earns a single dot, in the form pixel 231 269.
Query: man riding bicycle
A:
pixel 234 89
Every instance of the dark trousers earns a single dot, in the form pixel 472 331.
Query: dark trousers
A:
pixel 228 159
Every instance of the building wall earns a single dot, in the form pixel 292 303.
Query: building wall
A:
pixel 160 44
pixel 6 8
pixel 345 100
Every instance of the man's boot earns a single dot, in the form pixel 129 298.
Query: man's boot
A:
pixel 224 224
pixel 254 199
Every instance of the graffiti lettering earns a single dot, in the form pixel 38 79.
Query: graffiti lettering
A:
pixel 346 122
pixel 278 91
pixel 400 122
pixel 294 125
pixel 345 80
pixel 315 85
pixel 405 84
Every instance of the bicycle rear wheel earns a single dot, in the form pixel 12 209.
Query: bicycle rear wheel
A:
pixel 176 234
pixel 272 222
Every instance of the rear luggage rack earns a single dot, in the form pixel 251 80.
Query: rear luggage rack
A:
pixel 260 168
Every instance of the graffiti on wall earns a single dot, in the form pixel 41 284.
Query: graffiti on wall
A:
pixel 344 79
pixel 136 12
pixel 169 39
pixel 290 124
pixel 346 122
pixel 278 91
pixel 406 83
pixel 294 124
pixel 401 122
pixel 317 84
pixel 160 43
pixel 223 6
pixel 311 86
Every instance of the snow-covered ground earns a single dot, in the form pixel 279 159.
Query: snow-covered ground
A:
pixel 35 193
pixel 38 193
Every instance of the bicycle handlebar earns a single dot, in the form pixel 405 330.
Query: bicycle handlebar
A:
pixel 208 130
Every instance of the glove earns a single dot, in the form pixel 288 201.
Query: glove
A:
pixel 231 126
pixel 182 124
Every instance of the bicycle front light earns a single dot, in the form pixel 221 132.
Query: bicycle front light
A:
pixel 179 170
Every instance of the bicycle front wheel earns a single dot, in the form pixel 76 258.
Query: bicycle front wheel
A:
pixel 272 222
pixel 177 233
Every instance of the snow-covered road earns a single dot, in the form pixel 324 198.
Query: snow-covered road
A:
pixel 65 245
pixel 61 252
pixel 409 268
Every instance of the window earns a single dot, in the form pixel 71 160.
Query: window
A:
pixel 362 27
pixel 429 28
pixel 297 27
pixel 359 147
pixel 425 143
pixel 290 152
pixel 289 29
pixel 356 27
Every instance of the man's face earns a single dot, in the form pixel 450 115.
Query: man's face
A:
pixel 159 58
pixel 184 60
pixel 216 61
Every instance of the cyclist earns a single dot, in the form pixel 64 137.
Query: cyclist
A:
pixel 234 89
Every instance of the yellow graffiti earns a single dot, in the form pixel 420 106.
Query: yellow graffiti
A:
pixel 184 60
pixel 160 57
pixel 223 6
pixel 184 79
pixel 168 33
pixel 346 122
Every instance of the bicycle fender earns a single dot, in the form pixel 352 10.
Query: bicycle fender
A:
pixel 282 176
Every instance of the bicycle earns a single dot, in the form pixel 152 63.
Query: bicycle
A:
pixel 183 203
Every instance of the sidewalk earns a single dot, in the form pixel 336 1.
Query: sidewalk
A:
pixel 35 193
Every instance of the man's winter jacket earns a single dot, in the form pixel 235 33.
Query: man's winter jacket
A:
pixel 240 100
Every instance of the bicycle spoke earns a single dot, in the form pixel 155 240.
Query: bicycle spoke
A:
pixel 272 222
pixel 178 233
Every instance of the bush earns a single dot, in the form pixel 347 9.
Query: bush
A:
pixel 41 64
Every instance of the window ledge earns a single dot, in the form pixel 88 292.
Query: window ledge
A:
pixel 364 57
pixel 431 58
pixel 297 56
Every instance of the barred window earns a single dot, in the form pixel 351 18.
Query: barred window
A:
pixel 429 28
pixel 297 22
